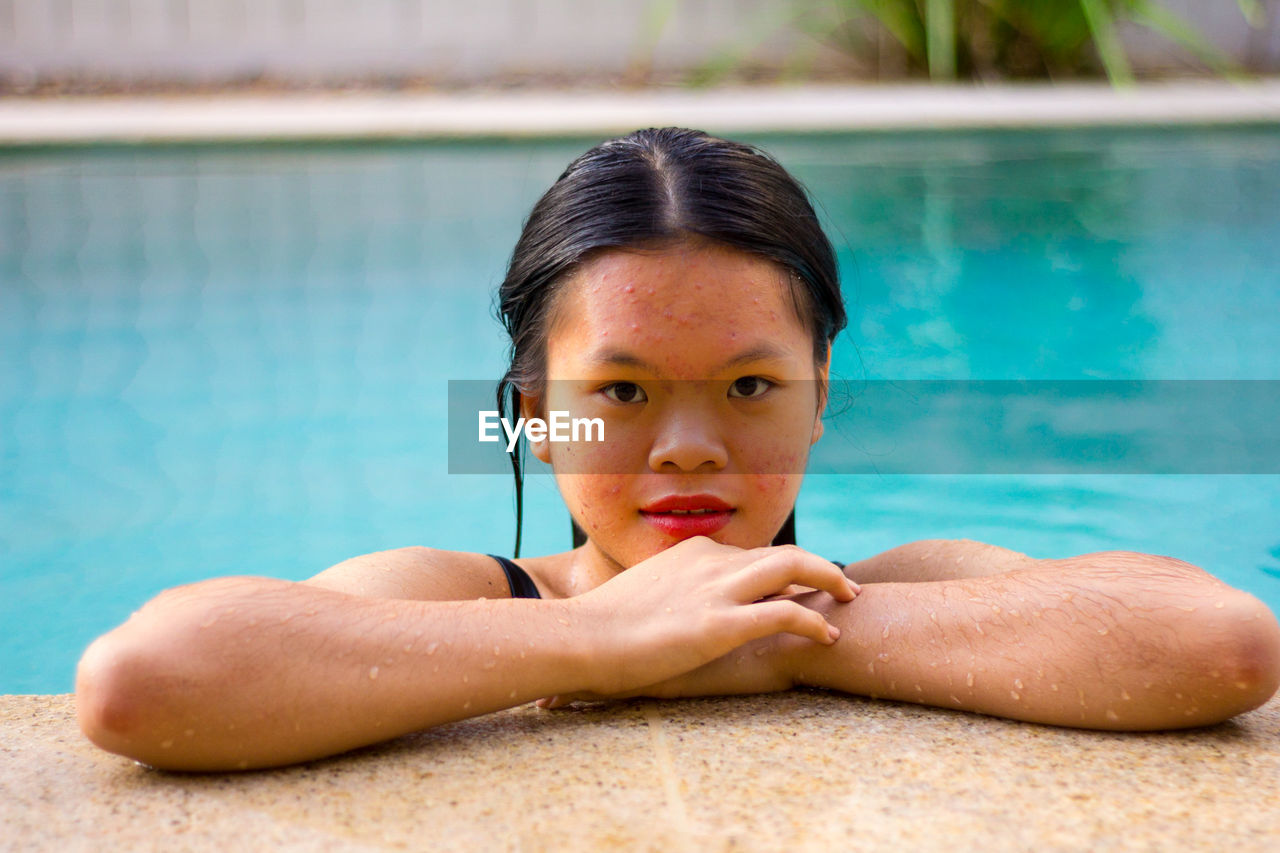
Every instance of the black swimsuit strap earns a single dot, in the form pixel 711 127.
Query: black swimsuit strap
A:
pixel 522 586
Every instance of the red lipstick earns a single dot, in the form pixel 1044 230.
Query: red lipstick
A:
pixel 686 516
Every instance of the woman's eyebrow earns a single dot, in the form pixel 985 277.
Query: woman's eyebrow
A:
pixel 613 357
pixel 763 351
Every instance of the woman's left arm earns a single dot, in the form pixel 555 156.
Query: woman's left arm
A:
pixel 1113 640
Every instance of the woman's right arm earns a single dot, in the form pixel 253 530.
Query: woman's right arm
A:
pixel 246 672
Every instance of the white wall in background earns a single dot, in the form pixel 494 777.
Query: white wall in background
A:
pixel 1221 22
pixel 441 40
pixel 448 40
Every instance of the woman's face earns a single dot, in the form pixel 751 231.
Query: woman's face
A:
pixel 704 376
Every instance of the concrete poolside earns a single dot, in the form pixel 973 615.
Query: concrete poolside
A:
pixel 468 114
pixel 793 771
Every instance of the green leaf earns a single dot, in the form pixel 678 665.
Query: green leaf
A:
pixel 901 18
pixel 1102 26
pixel 940 38
pixel 1057 27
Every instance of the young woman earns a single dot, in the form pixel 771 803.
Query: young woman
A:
pixel 679 288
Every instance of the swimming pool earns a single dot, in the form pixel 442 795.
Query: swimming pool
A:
pixel 224 360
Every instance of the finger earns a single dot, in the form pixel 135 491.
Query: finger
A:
pixel 809 562
pixel 784 566
pixel 791 591
pixel 775 617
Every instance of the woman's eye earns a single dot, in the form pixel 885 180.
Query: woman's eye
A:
pixel 624 392
pixel 749 386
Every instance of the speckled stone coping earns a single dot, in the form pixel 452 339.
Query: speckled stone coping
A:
pixel 803 770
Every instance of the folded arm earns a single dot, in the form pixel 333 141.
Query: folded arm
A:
pixel 250 672
pixel 1114 640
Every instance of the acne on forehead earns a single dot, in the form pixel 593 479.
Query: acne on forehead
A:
pixel 648 297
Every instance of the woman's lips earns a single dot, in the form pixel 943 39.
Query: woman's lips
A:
pixel 686 516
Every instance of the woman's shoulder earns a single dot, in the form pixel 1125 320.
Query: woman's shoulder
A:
pixel 417 572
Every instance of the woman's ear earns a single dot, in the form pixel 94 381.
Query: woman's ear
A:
pixel 823 384
pixel 531 406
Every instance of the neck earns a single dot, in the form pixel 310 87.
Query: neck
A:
pixel 591 567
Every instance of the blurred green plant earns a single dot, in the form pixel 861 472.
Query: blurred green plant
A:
pixel 949 39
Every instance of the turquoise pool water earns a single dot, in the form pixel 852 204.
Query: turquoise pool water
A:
pixel 234 360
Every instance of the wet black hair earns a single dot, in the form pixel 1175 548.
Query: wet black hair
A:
pixel 649 189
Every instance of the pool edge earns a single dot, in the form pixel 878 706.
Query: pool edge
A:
pixel 30 122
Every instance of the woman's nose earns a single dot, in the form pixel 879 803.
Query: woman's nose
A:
pixel 688 441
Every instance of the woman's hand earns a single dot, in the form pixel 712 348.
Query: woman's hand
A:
pixel 756 667
pixel 698 601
